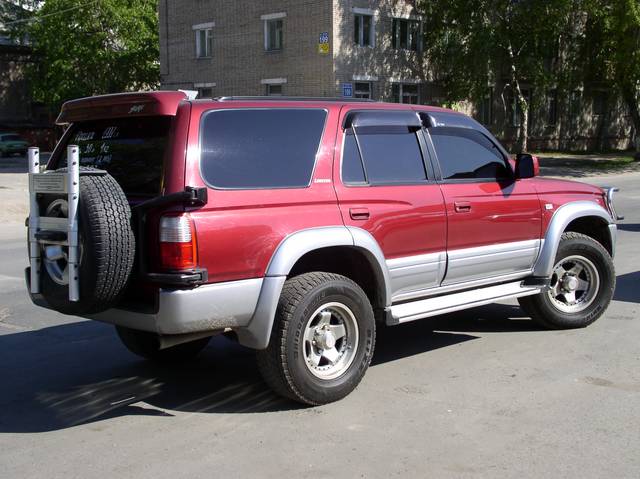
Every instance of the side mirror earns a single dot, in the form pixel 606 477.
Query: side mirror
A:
pixel 527 166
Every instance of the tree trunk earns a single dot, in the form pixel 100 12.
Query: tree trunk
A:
pixel 631 101
pixel 521 101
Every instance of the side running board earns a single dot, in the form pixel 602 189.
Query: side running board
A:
pixel 405 312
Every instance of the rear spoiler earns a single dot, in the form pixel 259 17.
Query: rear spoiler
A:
pixel 121 105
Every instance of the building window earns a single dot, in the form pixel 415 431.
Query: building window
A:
pixel 485 108
pixel 205 90
pixel 552 107
pixel 516 110
pixel 204 40
pixel 600 102
pixel 575 106
pixel 274 35
pixel 273 31
pixel 274 90
pixel 363 30
pixel 405 93
pixel 362 90
pixel 406 34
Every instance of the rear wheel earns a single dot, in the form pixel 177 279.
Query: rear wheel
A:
pixel 581 285
pixel 322 340
pixel 147 345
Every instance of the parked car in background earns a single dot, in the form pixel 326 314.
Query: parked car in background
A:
pixel 11 144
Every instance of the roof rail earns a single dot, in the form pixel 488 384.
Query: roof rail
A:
pixel 292 98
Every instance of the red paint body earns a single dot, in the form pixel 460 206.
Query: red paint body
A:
pixel 238 231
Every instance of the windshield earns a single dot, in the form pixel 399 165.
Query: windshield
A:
pixel 129 149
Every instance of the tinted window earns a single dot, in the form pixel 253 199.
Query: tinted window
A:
pixel 274 148
pixel 129 149
pixel 391 154
pixel 465 153
pixel 352 171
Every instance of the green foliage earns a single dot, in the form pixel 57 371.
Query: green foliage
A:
pixel 86 48
pixel 470 42
pixel 610 51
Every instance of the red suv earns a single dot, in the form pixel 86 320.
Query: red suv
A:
pixel 299 226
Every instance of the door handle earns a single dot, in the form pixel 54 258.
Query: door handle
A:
pixel 462 206
pixel 359 213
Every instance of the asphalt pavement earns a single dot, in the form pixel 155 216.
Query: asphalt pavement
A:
pixel 479 393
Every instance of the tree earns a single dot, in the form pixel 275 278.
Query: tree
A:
pixel 611 52
pixel 471 43
pixel 86 48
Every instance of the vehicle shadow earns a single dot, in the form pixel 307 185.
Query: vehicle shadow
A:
pixel 627 289
pixel 79 373
pixel 632 227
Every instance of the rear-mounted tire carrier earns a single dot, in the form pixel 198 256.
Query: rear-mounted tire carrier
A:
pixel 81 242
pixel 69 183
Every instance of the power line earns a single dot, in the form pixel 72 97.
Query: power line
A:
pixel 38 18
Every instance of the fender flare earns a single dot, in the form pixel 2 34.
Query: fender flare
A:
pixel 257 333
pixel 564 215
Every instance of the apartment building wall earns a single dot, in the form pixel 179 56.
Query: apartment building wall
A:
pixel 380 63
pixel 239 64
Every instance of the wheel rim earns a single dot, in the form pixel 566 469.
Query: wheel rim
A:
pixel 330 341
pixel 55 257
pixel 574 284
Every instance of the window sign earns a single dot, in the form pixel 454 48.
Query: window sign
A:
pixel 347 90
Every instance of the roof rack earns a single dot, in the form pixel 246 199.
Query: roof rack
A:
pixel 293 98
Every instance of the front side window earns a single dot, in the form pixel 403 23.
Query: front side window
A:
pixel 274 39
pixel 382 155
pixel 363 30
pixel 255 149
pixel 405 93
pixel 204 42
pixel 406 34
pixel 464 153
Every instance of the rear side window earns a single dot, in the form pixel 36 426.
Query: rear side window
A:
pixel 464 153
pixel 251 149
pixel 129 149
pixel 382 155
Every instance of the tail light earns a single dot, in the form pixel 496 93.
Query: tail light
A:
pixel 178 245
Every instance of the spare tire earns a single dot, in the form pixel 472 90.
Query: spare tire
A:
pixel 106 241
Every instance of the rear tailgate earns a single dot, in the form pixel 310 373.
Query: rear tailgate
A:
pixel 140 140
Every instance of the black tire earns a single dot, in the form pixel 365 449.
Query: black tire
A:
pixel 107 248
pixel 283 365
pixel 147 346
pixel 541 307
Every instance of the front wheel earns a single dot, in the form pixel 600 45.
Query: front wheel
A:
pixel 322 339
pixel 581 285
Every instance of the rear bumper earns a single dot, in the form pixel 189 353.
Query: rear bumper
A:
pixel 210 307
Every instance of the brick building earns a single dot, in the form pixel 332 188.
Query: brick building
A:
pixel 367 49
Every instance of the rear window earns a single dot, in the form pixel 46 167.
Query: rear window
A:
pixel 252 149
pixel 129 149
